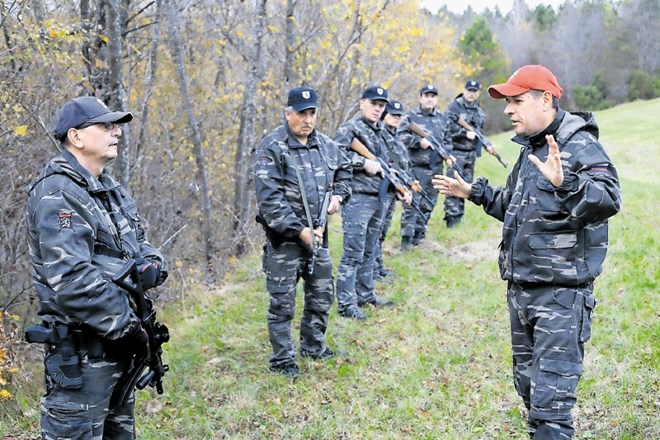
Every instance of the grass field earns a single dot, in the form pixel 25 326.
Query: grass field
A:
pixel 438 365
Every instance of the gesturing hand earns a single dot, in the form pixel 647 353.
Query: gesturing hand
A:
pixel 551 169
pixel 452 187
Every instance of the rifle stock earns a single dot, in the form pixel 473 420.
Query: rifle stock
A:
pixel 481 140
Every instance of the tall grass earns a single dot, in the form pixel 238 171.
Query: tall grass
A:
pixel 438 365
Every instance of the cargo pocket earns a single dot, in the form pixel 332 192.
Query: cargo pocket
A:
pixel 587 314
pixel 66 420
pixel 553 257
pixel 555 385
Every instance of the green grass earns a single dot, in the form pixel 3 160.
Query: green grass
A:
pixel 435 367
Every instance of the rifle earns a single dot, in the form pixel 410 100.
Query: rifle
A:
pixel 388 174
pixel 320 222
pixel 482 142
pixel 157 334
pixel 438 152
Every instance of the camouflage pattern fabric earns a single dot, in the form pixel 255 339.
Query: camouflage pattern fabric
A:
pixel 362 222
pixel 549 326
pixel 285 266
pixel 323 167
pixel 554 242
pixel 81 231
pixel 465 161
pixel 379 265
pixel 464 150
pixel 434 123
pixel 85 413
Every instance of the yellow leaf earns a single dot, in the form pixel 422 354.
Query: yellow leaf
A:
pixel 21 130
pixel 4 395
pixel 99 63
pixel 105 38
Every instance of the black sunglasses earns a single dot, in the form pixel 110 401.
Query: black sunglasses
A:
pixel 107 125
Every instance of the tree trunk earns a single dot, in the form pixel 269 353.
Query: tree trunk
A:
pixel 289 75
pixel 115 93
pixel 242 198
pixel 207 225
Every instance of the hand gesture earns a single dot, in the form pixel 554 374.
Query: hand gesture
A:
pixel 551 169
pixel 452 187
pixel 372 167
pixel 450 161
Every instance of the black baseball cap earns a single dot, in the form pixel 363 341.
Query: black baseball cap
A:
pixel 472 85
pixel 84 110
pixel 394 107
pixel 302 98
pixel 428 88
pixel 375 93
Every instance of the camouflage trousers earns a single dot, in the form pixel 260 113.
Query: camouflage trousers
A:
pixel 412 224
pixel 284 267
pixel 84 414
pixel 549 326
pixel 387 221
pixel 362 221
pixel 465 161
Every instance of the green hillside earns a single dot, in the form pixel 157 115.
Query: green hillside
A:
pixel 438 365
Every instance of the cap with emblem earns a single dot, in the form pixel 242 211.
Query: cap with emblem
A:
pixel 472 85
pixel 429 88
pixel 302 98
pixel 394 108
pixel 530 77
pixel 375 93
pixel 85 110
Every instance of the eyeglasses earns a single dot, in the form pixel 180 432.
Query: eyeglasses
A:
pixel 107 125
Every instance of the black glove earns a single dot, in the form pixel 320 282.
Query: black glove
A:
pixel 149 273
pixel 134 343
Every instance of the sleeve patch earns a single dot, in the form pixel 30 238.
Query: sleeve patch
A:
pixel 64 219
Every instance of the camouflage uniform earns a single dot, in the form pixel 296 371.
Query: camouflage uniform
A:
pixel 554 241
pixel 81 231
pixel 465 150
pixel 434 123
pixel 323 168
pixel 362 217
pixel 399 155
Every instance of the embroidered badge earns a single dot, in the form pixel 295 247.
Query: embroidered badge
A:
pixel 64 219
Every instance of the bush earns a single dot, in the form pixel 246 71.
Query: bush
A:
pixel 592 97
pixel 643 85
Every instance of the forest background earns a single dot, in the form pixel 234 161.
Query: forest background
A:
pixel 207 79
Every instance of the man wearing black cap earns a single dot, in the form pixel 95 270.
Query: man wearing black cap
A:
pixel 555 208
pixel 420 149
pixel 464 116
pixel 298 173
pixel 82 228
pixel 401 163
pixel 362 217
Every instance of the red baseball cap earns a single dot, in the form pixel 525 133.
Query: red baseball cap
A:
pixel 530 77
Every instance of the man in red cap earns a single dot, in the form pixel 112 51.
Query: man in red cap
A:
pixel 554 206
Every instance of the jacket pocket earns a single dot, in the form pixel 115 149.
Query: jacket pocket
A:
pixel 587 314
pixel 553 257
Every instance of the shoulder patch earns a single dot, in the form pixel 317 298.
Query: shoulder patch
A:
pixel 64 219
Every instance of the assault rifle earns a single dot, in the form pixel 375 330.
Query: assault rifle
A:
pixel 389 175
pixel 320 222
pixel 438 152
pixel 157 335
pixel 482 142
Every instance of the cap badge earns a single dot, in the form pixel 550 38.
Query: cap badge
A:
pixel 306 94
pixel 379 90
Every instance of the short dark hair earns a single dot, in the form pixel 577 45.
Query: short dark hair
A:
pixel 538 93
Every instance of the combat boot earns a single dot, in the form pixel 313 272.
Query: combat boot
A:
pixel 354 312
pixel 406 243
pixel 290 369
pixel 452 220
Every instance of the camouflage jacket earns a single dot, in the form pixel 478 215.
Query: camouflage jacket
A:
pixel 433 123
pixel 324 168
pixel 373 136
pixel 555 235
pixel 398 154
pixel 472 114
pixel 75 246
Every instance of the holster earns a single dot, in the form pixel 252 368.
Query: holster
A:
pixel 62 359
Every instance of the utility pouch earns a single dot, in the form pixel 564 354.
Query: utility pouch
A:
pixel 62 360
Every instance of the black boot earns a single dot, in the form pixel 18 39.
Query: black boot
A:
pixel 452 220
pixel 406 243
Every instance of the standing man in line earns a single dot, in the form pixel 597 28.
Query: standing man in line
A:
pixel 362 217
pixel 298 173
pixel 554 205
pixel 398 153
pixel 82 228
pixel 420 150
pixel 464 117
